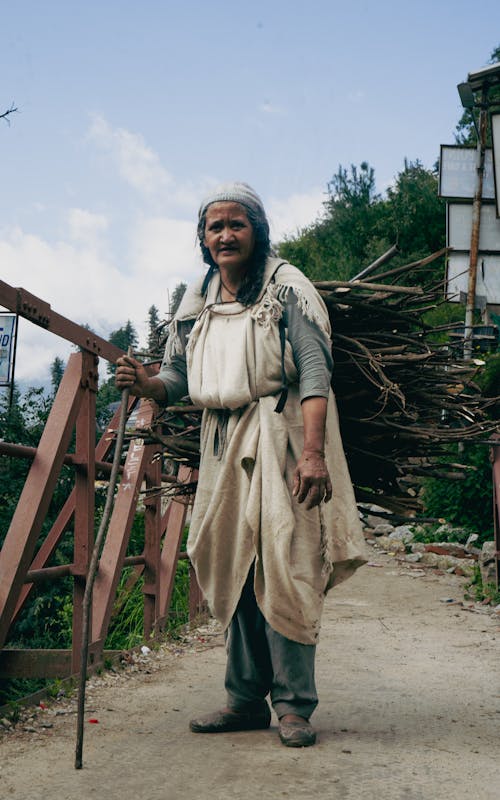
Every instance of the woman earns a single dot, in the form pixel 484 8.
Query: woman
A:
pixel 251 345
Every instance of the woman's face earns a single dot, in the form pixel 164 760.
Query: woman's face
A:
pixel 229 235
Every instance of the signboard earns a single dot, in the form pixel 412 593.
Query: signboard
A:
pixel 488 277
pixel 459 230
pixel 458 173
pixel 7 335
pixel 495 135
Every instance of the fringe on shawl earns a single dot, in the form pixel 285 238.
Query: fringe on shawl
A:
pixel 269 310
pixel 280 291
pixel 326 554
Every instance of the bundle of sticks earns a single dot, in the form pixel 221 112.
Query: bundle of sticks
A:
pixel 402 394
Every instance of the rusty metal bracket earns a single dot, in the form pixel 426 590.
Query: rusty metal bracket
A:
pixel 90 378
pixel 32 308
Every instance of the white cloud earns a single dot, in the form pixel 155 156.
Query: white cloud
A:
pixel 86 226
pixel 164 249
pixel 86 286
pixel 141 168
pixel 290 215
pixel 137 163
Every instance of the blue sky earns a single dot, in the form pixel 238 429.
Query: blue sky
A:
pixel 130 111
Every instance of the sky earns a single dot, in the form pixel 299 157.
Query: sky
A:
pixel 129 113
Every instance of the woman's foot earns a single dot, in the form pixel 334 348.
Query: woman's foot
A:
pixel 229 720
pixel 296 731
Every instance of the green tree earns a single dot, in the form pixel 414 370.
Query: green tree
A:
pixel 340 242
pixel 177 296
pixel 154 326
pixel 358 225
pixel 123 337
pixel 414 217
pixel 465 132
pixel 56 372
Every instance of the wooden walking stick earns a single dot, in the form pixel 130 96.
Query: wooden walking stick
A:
pixel 87 597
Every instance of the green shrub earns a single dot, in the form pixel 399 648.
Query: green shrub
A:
pixel 468 502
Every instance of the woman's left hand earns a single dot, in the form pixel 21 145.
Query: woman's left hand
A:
pixel 311 481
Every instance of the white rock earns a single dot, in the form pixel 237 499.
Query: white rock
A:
pixel 402 534
pixel 472 538
pixel 372 520
pixel 383 528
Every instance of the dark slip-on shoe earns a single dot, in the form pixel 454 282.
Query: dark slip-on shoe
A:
pixel 224 721
pixel 297 734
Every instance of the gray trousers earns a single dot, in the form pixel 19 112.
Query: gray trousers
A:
pixel 261 661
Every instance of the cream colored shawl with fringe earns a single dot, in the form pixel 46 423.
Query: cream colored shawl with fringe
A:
pixel 244 510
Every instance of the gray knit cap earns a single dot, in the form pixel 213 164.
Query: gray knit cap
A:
pixel 234 193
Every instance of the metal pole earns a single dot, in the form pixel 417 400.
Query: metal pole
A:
pixel 13 368
pixel 476 226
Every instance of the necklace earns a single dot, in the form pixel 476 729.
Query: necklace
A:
pixel 233 294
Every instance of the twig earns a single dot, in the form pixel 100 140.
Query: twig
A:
pixel 5 115
pixel 87 598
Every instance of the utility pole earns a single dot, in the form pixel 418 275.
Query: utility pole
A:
pixel 476 227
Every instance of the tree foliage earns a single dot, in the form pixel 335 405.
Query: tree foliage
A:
pixel 123 337
pixel 56 372
pixel 154 329
pixel 465 132
pixel 177 296
pixel 358 225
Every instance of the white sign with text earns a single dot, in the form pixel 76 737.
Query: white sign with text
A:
pixel 7 333
pixel 458 173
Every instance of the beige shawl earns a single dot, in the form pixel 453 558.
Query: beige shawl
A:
pixel 244 510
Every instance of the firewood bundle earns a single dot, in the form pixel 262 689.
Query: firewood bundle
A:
pixel 402 394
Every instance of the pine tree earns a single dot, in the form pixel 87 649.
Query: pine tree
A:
pixel 123 338
pixel 56 372
pixel 177 296
pixel 154 324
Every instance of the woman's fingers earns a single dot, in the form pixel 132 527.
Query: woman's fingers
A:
pixel 312 490
pixel 328 491
pixel 127 372
pixel 296 483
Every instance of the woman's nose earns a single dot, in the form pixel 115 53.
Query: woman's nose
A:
pixel 226 234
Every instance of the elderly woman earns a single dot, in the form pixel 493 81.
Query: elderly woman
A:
pixel 269 536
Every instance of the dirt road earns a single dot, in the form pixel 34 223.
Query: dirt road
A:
pixel 409 710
